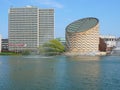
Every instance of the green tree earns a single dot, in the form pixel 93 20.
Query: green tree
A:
pixel 25 52
pixel 53 47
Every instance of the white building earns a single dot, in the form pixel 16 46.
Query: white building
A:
pixel 30 27
pixel 110 40
pixel 0 43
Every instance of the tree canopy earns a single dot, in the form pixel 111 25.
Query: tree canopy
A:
pixel 53 47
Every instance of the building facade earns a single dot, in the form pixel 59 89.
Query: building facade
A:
pixel 110 40
pixel 30 27
pixel 4 45
pixel 102 45
pixel 116 49
pixel 62 40
pixel 82 36
pixel 0 43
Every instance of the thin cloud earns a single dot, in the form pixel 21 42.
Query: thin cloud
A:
pixel 49 3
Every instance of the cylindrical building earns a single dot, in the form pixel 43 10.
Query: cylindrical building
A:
pixel 82 36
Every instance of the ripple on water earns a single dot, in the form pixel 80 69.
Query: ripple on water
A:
pixel 59 73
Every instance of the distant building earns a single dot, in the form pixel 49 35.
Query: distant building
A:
pixel 110 41
pixel 82 36
pixel 62 40
pixel 116 49
pixel 0 43
pixel 102 45
pixel 4 45
pixel 30 27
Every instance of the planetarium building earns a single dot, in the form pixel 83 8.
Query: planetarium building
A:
pixel 82 36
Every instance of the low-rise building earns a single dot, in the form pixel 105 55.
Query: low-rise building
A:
pixel 62 40
pixel 116 50
pixel 4 45
pixel 0 42
pixel 110 41
pixel 102 45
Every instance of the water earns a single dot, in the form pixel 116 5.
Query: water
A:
pixel 59 73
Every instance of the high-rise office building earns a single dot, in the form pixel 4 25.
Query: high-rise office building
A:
pixel 30 27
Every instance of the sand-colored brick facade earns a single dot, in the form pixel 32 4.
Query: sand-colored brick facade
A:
pixel 83 42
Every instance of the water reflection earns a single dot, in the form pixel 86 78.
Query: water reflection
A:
pixel 85 58
pixel 59 73
pixel 84 72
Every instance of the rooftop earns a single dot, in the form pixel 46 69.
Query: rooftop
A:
pixel 82 24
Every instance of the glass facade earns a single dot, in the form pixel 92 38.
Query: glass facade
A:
pixel 29 27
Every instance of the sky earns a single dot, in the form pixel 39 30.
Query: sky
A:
pixel 67 11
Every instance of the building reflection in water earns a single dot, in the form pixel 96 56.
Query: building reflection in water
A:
pixel 54 73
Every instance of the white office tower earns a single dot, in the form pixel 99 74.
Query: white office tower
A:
pixel 0 43
pixel 30 27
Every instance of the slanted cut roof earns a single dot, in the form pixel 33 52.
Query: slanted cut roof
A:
pixel 82 24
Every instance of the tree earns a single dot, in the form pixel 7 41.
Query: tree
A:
pixel 53 47
pixel 25 52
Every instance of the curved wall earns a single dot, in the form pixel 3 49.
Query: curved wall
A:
pixel 83 42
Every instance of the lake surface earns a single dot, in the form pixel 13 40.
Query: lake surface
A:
pixel 59 73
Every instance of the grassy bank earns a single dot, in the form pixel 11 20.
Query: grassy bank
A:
pixel 9 53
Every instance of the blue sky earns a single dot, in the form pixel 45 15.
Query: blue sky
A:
pixel 67 11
